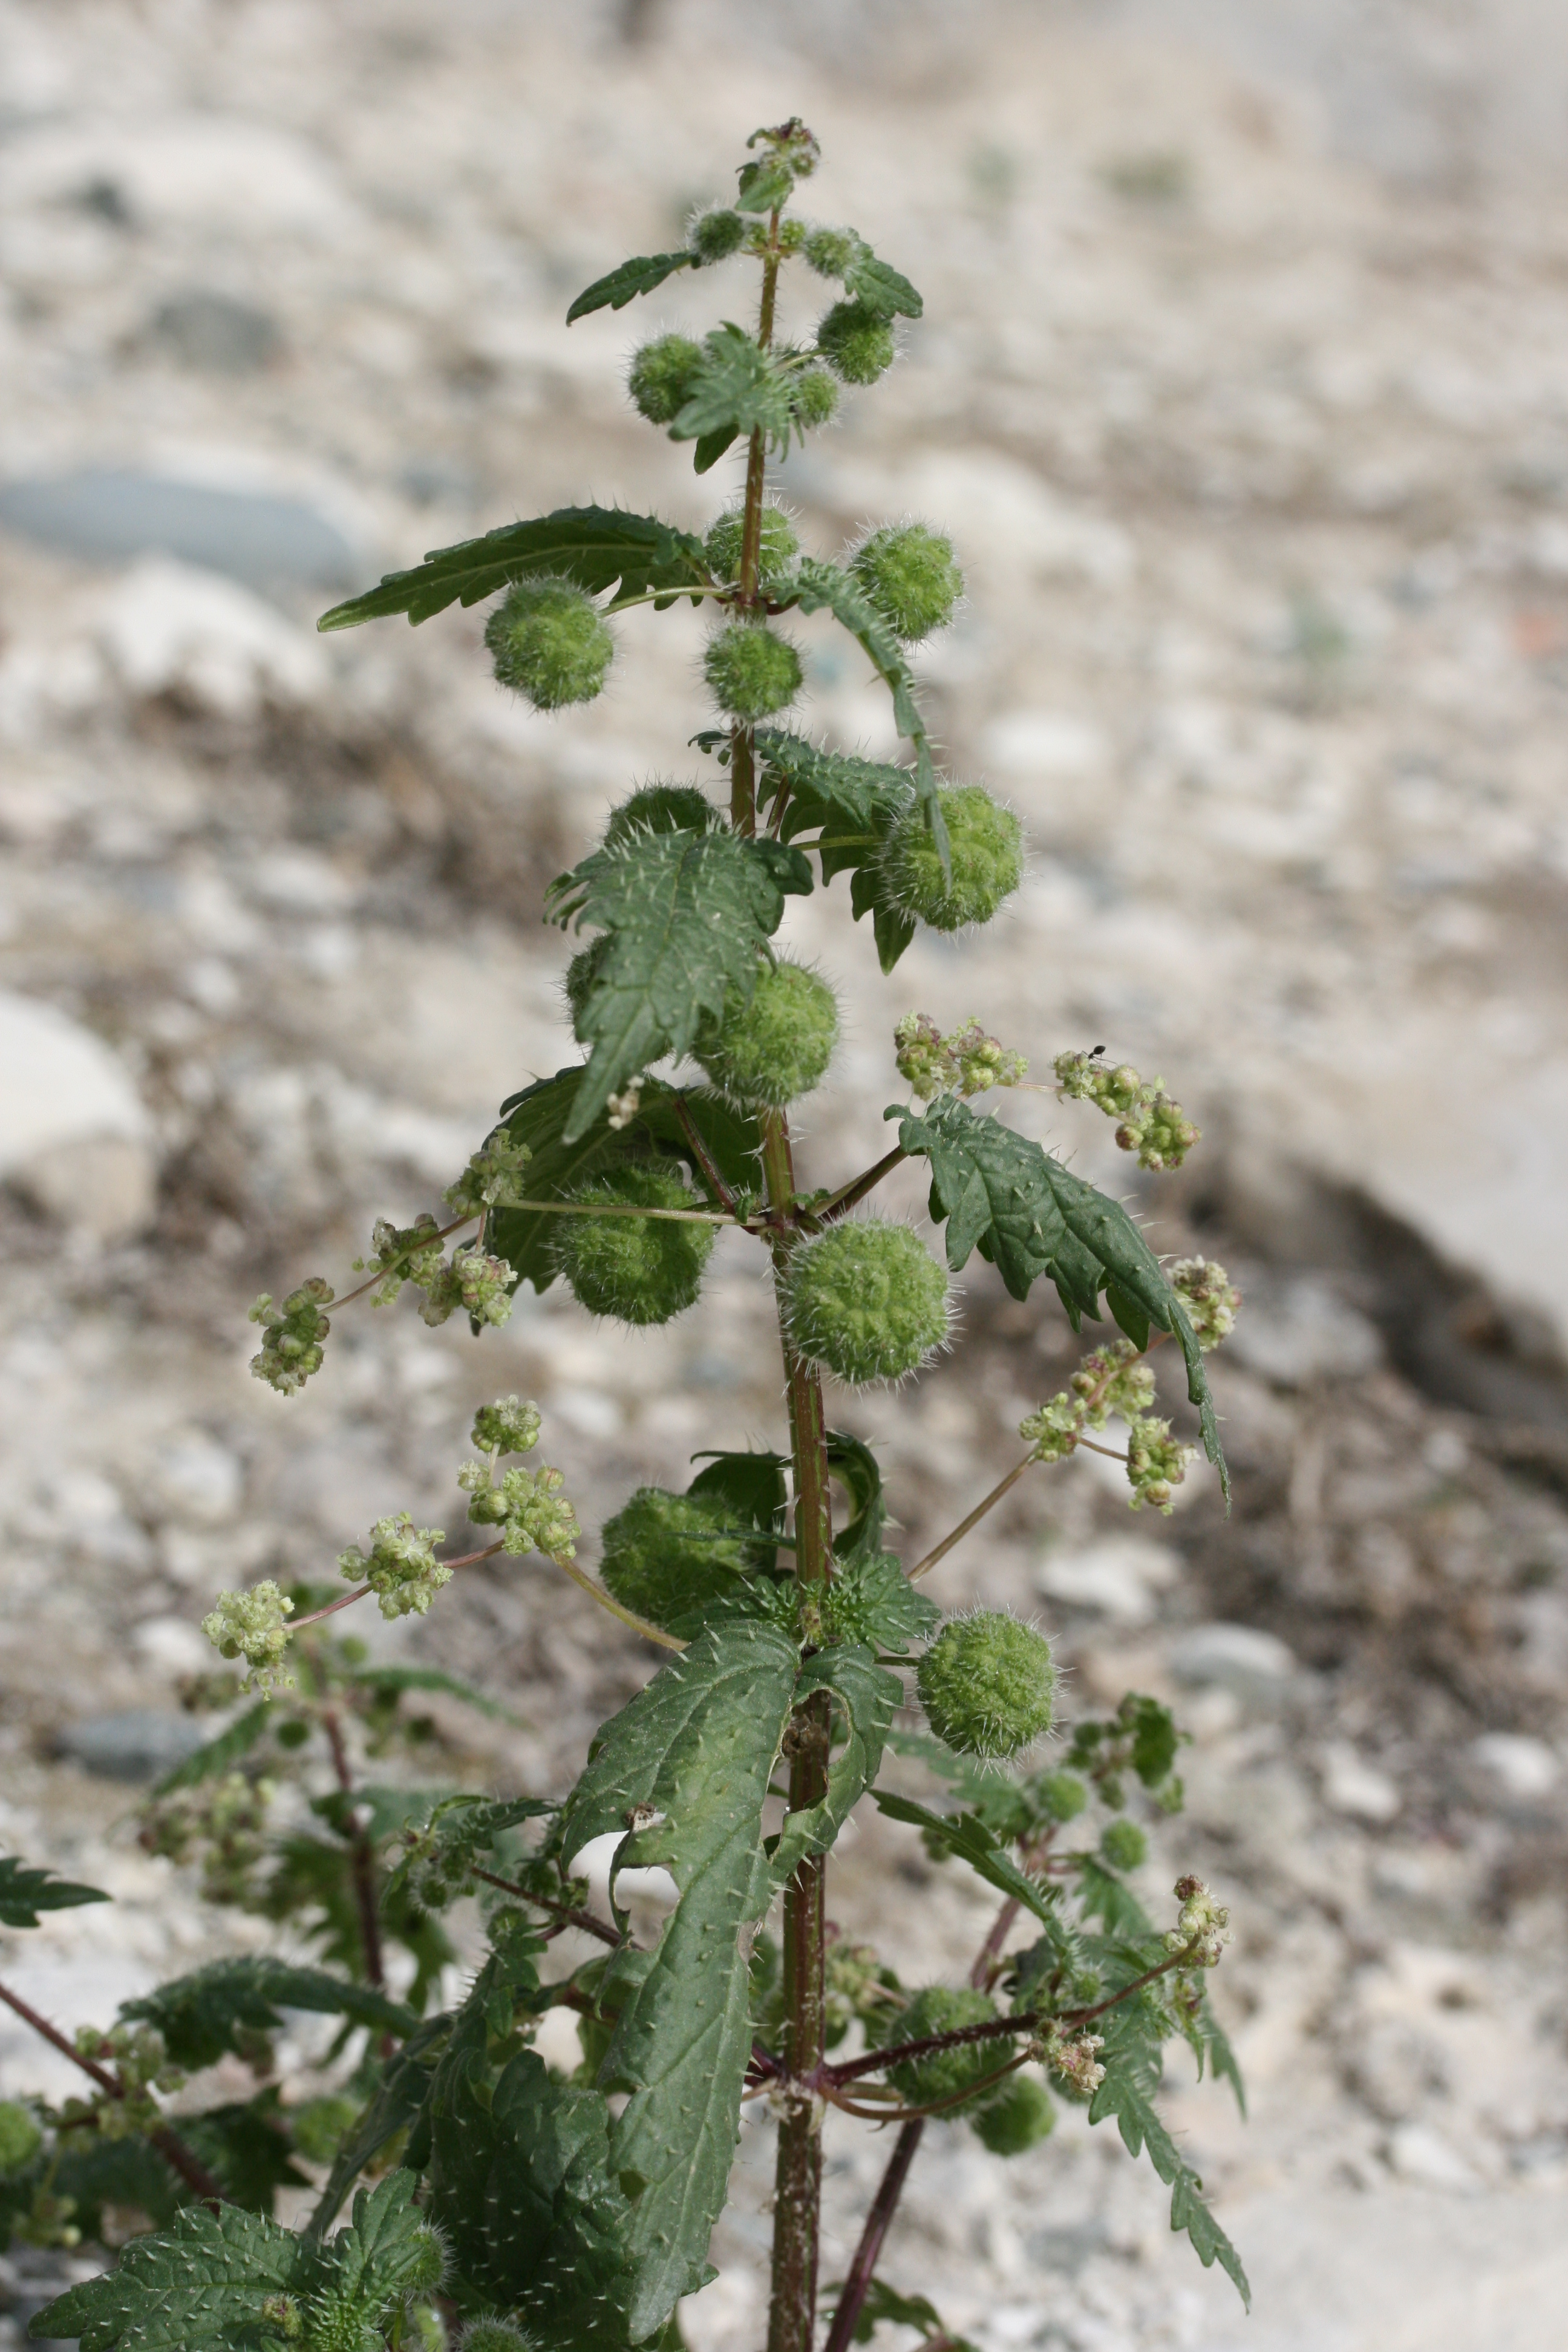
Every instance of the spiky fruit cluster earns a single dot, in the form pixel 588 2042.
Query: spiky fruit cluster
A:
pixel 815 397
pixel 661 376
pixel 1017 2119
pixel 777 545
pixel 497 2336
pixel 910 573
pixel 988 1685
pixel 659 808
pixel 1123 1846
pixel 636 1269
pixel 777 1047
pixel 985 843
pixel 944 2073
pixel 830 251
pixel 714 236
pixel 751 671
pixel 865 1300
pixel 547 642
pixel 667 1556
pixel 857 343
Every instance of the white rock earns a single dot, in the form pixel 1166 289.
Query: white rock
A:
pixel 1043 743
pixel 1119 1576
pixel 1352 1786
pixel 75 1137
pixel 1417 2155
pixel 210 171
pixel 1255 1666
pixel 593 1862
pixel 1520 1767
pixel 173 1645
pixel 169 626
pixel 196 1480
pixel 1302 1334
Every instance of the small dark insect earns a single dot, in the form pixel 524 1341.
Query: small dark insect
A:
pixel 1095 1051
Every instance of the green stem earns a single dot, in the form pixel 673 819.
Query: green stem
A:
pixel 798 2183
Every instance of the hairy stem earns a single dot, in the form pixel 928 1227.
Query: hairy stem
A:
pixel 858 1191
pixel 861 2270
pixel 701 1154
pixel 798 2182
pixel 366 1894
pixel 567 1913
pixel 167 2141
pixel 988 1504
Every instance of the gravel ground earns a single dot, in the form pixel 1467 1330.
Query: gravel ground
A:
pixel 1257 464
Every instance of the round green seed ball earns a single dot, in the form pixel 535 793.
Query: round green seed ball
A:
pixel 1062 1795
pixel 660 378
pixel 830 251
pixel 497 2336
pixel 988 1685
pixel 985 843
pixel 663 1557
pixel 911 573
pixel 714 236
pixel 659 808
pixel 1123 1845
pixel 945 2009
pixel 547 641
pixel 638 1269
pixel 776 1048
pixel 865 1300
pixel 777 545
pixel 751 671
pixel 813 397
pixel 578 980
pixel 20 2138
pixel 1019 2117
pixel 856 344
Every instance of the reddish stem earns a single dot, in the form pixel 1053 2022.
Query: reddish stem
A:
pixel 841 2335
pixel 363 1857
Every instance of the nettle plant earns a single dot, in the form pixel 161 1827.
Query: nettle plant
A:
pixel 502 2201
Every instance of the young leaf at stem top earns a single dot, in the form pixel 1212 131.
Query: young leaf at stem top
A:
pixel 25 1892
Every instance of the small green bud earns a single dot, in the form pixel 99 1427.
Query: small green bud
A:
pixel 474 1280
pixel 910 573
pixel 291 1349
pixel 400 1568
pixel 945 2009
pixel 636 1269
pixel 715 235
pixel 20 2139
pixel 1202 1925
pixel 856 344
pixel 865 1300
pixel 1073 2058
pixel 494 1178
pixel 813 396
pixel 660 378
pixel 341 2320
pixel 777 546
pixel 508 1426
pixel 1123 1846
pixel 1019 2117
pixel 1061 1795
pixel 1209 1296
pixel 547 642
pixel 750 670
pixel 985 845
pixel 497 2336
pixel 988 1684
pixel 660 808
pixel 1156 1465
pixel 777 1047
pixel 665 1556
pixel 830 251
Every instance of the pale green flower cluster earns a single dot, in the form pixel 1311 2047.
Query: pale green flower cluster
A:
pixel 969 1062
pixel 1113 1378
pixel 404 1253
pixel 1156 1461
pixel 1151 1124
pixel 476 1282
pixel 493 1178
pixel 292 1348
pixel 1201 1923
pixel 527 1504
pixel 1210 1297
pixel 137 2054
pixel 253 1626
pixel 401 1567
pixel 1072 2056
pixel 508 1426
pixel 226 1820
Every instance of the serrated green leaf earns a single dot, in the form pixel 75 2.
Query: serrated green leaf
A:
pixel 710 447
pixel 200 2015
pixel 867 1698
pixel 643 275
pixel 872 1601
pixel 688 914
pixel 752 1490
pixel 600 548
pixel 1015 1201
pixel 1132 2073
pixel 221 1753
pixel 402 2093
pixel 25 1892
pixel 966 1836
pixel 766 184
pixel 737 387
pixel 392 1681
pixel 881 288
pixel 698 1746
pixel 376 2260
pixel 538 1116
pixel 196 2287
pixel 884 2302
pixel 1102 1895
pixel 245 2146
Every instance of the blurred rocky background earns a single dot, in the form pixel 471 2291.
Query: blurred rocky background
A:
pixel 1243 390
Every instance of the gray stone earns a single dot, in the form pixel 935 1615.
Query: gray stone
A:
pixel 139 1744
pixel 1257 1667
pixel 108 515
pixel 215 334
pixel 1301 1333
